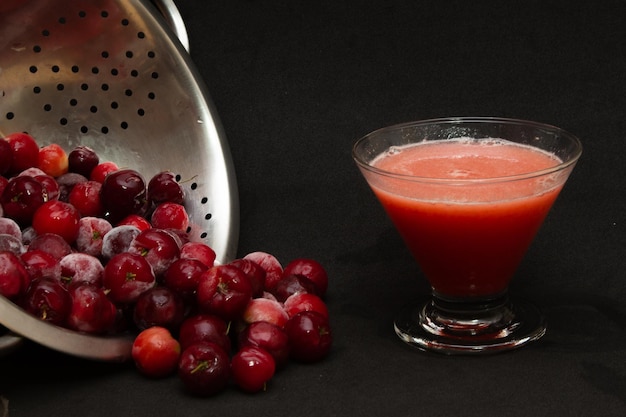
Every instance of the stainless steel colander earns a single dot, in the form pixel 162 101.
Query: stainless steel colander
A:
pixel 115 75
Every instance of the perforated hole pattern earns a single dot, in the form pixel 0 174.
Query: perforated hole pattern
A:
pixel 105 71
pixel 93 71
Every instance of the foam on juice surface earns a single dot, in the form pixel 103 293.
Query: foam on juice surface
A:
pixel 467 171
pixel 465 158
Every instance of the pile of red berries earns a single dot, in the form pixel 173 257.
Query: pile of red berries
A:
pixel 95 248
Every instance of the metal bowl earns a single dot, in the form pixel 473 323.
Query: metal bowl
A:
pixel 9 341
pixel 114 75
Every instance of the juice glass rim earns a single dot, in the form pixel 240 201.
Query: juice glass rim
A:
pixel 572 159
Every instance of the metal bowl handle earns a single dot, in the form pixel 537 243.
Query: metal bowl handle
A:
pixel 174 19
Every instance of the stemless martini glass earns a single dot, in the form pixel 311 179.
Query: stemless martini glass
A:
pixel 468 196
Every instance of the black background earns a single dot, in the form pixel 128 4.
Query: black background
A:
pixel 295 84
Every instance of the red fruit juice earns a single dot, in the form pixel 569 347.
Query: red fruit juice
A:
pixel 466 226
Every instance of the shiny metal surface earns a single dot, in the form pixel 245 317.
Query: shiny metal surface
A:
pixel 9 341
pixel 110 349
pixel 174 20
pixel 112 75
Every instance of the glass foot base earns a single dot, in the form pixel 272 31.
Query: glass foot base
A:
pixel 470 328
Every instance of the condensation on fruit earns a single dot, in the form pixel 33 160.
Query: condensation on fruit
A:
pixel 119 260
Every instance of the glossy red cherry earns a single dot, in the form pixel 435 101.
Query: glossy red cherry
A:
pixel 50 185
pixel 311 269
pixel 155 352
pixel 82 160
pixel 22 196
pixel 41 264
pixel 183 276
pixel 48 300
pixel 123 193
pixel 310 336
pixel 135 220
pixel 164 187
pixel 59 218
pixel 25 152
pixel 224 290
pixel 92 311
pixel 252 368
pixel 85 196
pixel 293 284
pixel 204 328
pixel 159 306
pixel 52 160
pixel 170 216
pixel 305 302
pixel 126 276
pixel 102 170
pixel 204 369
pixel 269 337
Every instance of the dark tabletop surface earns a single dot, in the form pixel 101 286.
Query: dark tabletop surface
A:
pixel 295 83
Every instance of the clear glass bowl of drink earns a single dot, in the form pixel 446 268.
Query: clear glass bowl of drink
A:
pixel 468 196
